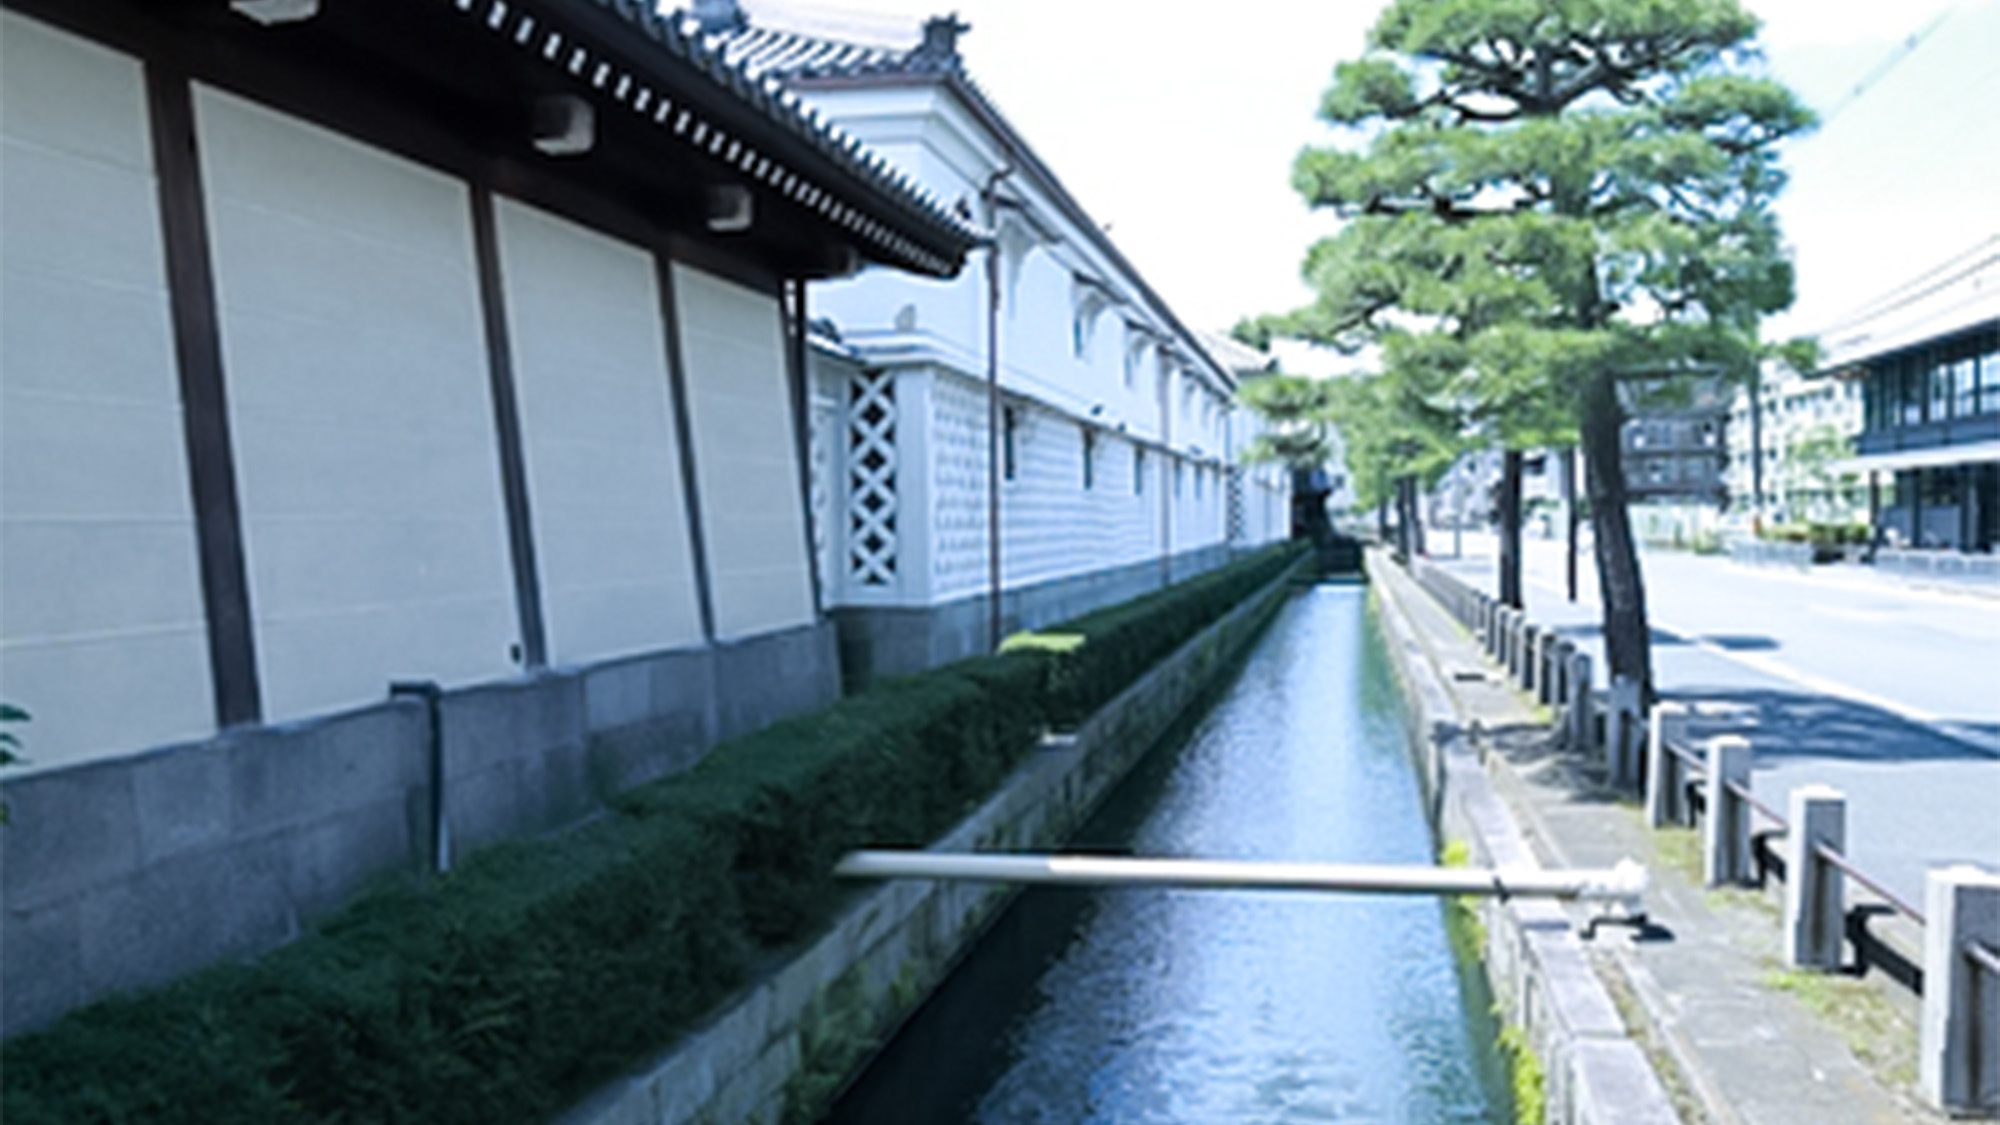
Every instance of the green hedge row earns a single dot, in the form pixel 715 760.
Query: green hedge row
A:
pixel 541 969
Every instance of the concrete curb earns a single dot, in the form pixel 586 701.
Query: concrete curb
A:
pixel 1539 971
pixel 790 1039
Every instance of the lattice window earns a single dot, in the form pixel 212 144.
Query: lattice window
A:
pixel 871 478
pixel 823 441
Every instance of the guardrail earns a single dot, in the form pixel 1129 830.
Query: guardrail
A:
pixel 1550 667
pixel 1958 979
pixel 1709 787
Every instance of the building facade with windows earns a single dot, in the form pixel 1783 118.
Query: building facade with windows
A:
pixel 1045 402
pixel 1926 357
pixel 403 405
pixel 1803 430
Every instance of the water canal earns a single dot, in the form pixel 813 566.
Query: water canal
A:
pixel 1212 1007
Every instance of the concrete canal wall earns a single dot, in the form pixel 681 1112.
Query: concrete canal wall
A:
pixel 1534 959
pixel 792 1038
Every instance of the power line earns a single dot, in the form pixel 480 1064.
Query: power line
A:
pixel 1895 57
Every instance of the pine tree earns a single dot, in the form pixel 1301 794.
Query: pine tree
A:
pixel 1554 209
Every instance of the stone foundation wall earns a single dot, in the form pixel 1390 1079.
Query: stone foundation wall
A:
pixel 124 873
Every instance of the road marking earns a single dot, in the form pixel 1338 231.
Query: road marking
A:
pixel 1771 666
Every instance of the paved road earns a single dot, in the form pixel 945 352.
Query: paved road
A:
pixel 1887 692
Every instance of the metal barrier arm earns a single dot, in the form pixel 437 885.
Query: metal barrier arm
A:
pixel 1624 884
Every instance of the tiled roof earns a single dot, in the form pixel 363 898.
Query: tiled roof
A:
pixel 772 52
pixel 779 142
pixel 779 55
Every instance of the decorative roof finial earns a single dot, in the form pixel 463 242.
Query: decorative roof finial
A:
pixel 939 50
pixel 714 16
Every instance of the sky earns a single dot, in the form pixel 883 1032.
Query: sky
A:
pixel 1175 126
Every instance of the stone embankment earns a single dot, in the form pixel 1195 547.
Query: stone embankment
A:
pixel 795 1035
pixel 1545 987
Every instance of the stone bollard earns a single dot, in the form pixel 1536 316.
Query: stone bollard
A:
pixel 1485 629
pixel 1666 782
pixel 1815 905
pixel 1524 647
pixel 1958 1034
pixel 1622 714
pixel 1545 669
pixel 1725 837
pixel 1581 722
pixel 1517 657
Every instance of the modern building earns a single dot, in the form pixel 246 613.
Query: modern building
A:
pixel 403 413
pixel 1112 422
pixel 1926 356
pixel 1804 429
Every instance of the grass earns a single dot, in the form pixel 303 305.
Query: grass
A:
pixel 1878 1033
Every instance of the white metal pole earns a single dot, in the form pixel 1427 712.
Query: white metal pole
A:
pixel 1625 882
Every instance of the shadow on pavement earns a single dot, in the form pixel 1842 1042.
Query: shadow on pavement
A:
pixel 1660 639
pixel 1740 643
pixel 1797 725
pixel 1537 753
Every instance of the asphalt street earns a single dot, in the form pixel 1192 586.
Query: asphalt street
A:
pixel 1887 692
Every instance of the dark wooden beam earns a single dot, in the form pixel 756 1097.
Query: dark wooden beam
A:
pixel 225 586
pixel 534 651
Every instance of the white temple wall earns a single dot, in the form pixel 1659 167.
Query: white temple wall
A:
pixel 102 634
pixel 597 428
pixel 733 349
pixel 360 410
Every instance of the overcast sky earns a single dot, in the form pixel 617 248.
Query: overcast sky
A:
pixel 1175 126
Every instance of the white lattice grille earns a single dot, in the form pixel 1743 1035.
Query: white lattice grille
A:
pixel 871 478
pixel 958 501
pixel 823 442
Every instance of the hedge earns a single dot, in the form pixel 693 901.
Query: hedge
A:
pixel 541 969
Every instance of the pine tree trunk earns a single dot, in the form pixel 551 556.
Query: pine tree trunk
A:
pixel 1620 590
pixel 1417 544
pixel 1510 528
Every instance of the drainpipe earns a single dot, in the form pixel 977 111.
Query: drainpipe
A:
pixel 993 419
pixel 430 694
pixel 1169 476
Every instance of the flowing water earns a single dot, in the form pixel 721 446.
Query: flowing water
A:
pixel 1122 1006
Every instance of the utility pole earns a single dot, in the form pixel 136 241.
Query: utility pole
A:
pixel 991 201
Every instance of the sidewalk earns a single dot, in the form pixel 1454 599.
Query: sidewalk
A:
pixel 1733 1036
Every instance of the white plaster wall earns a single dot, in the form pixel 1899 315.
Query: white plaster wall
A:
pixel 361 412
pixel 597 427
pixel 102 635
pixel 747 472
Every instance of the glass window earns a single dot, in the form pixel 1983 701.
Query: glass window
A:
pixel 1138 471
pixel 1965 387
pixel 1940 487
pixel 1911 393
pixel 1939 377
pixel 1989 381
pixel 1089 457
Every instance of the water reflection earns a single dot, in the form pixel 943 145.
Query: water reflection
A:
pixel 1203 1006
